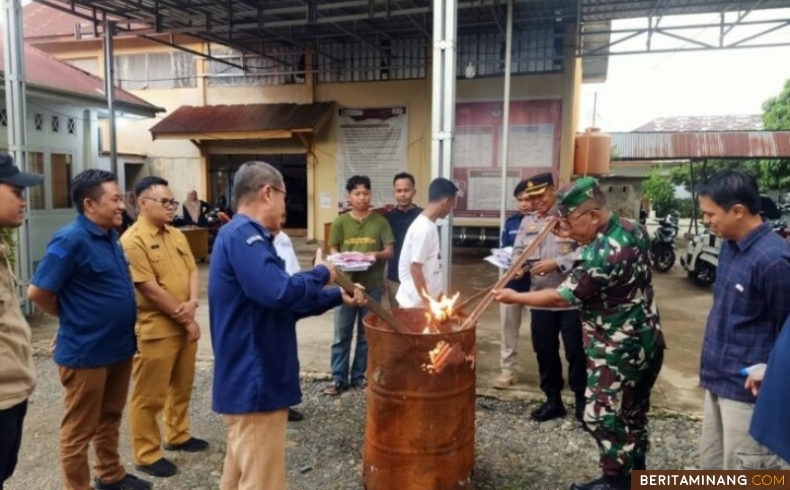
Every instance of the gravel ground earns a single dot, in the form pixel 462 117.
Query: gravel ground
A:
pixel 325 450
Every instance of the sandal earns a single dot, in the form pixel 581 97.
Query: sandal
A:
pixel 332 390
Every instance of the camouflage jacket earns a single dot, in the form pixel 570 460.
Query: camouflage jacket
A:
pixel 613 286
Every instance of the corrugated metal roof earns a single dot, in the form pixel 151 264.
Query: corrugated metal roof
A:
pixel 241 118
pixel 41 22
pixel 701 144
pixel 44 71
pixel 750 122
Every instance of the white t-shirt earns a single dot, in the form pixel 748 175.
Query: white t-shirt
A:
pixel 421 245
pixel 285 249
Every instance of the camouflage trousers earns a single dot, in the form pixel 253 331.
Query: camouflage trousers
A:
pixel 619 381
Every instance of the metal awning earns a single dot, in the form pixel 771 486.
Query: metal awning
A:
pixel 243 122
pixel 654 146
pixel 252 24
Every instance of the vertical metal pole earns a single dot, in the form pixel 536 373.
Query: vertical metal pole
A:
pixel 109 89
pixel 693 198
pixel 443 112
pixel 506 118
pixel 16 110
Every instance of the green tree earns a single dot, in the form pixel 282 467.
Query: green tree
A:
pixel 775 174
pixel 682 175
pixel 660 191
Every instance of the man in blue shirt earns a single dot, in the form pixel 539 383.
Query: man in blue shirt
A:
pixel 750 305
pixel 84 280
pixel 770 424
pixel 253 307
pixel 511 314
pixel 400 220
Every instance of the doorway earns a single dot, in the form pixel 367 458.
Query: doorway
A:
pixel 293 166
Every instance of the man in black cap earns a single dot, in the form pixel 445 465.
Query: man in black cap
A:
pixel 549 267
pixel 17 371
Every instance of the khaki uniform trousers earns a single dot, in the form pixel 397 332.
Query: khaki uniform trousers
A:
pixel 255 458
pixel 162 376
pixel 94 399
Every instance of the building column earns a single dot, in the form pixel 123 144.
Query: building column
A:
pixel 571 101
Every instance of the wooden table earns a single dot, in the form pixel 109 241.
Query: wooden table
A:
pixel 198 242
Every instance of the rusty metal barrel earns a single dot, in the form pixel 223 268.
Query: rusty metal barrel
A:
pixel 420 431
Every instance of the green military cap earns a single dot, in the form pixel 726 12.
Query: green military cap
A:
pixel 575 194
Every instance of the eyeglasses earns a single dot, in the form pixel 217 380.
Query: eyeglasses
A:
pixel 578 216
pixel 172 203
pixel 285 194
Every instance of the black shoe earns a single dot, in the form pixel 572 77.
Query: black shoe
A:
pixel 160 469
pixel 552 409
pixel 605 483
pixel 640 464
pixel 294 416
pixel 192 445
pixel 128 482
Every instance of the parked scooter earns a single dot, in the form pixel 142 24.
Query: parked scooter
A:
pixel 662 246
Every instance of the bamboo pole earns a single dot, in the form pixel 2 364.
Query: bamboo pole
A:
pixel 346 283
pixel 511 272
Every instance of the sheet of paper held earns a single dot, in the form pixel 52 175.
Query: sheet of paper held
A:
pixel 500 257
pixel 756 369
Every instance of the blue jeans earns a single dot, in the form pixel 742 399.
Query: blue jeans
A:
pixel 345 319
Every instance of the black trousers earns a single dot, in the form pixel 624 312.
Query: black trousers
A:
pixel 547 328
pixel 11 420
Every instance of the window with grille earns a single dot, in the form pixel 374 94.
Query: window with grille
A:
pixel 3 117
pixel 72 126
pixel 38 120
pixel 61 180
pixel 156 71
pixel 538 50
pixel 279 65
pixel 35 195
pixel 55 124
pixel 391 59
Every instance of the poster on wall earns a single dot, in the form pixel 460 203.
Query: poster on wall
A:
pixel 533 147
pixel 371 142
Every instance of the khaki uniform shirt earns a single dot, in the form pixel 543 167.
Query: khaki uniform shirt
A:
pixel 564 250
pixel 17 371
pixel 160 255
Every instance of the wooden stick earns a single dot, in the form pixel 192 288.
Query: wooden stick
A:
pixel 511 272
pixel 346 283
pixel 474 298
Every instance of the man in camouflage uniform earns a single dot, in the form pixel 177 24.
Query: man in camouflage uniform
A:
pixel 623 341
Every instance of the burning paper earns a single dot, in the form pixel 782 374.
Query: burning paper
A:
pixel 439 312
pixel 444 355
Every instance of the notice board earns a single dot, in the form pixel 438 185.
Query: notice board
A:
pixel 533 143
pixel 371 142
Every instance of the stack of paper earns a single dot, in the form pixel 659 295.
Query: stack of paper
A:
pixel 350 261
pixel 500 257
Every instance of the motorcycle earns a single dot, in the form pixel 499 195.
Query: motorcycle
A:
pixel 662 246
pixel 216 218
